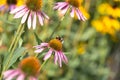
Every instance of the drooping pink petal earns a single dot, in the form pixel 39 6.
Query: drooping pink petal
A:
pixel 59 59
pixel 18 9
pixel 12 7
pixel 44 44
pixel 41 45
pixel 62 6
pixel 20 13
pixel 63 11
pixel 59 4
pixel 25 17
pixel 48 54
pixel 72 12
pixel 81 15
pixel 8 73
pixel 34 20
pixel 13 75
pixel 29 22
pixel 56 58
pixel 44 15
pixel 2 7
pixel 32 78
pixel 39 50
pixel 40 18
pixel 21 77
pixel 64 58
pixel 78 15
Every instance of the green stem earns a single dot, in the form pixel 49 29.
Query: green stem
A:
pixel 13 41
pixel 56 28
pixel 13 48
pixel 43 64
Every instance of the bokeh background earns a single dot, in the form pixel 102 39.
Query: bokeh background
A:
pixel 92 46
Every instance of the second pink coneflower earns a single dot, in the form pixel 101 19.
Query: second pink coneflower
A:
pixel 73 5
pixel 54 46
pixel 28 69
pixel 29 13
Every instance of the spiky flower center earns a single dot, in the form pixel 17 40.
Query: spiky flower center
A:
pixel 34 4
pixel 75 3
pixel 55 44
pixel 11 2
pixel 30 66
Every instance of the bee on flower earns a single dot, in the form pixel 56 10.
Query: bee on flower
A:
pixel 27 69
pixel 54 46
pixel 74 5
pixel 29 12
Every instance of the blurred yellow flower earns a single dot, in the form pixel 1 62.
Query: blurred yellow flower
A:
pixel 19 2
pixel 8 5
pixel 2 2
pixel 81 48
pixel 117 0
pixel 107 9
pixel 106 25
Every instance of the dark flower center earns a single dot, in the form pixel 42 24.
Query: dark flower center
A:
pixel 34 4
pixel 55 44
pixel 75 3
pixel 11 2
pixel 30 66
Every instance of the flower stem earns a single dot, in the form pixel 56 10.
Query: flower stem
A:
pixel 59 23
pixel 14 45
pixel 43 64
pixel 13 41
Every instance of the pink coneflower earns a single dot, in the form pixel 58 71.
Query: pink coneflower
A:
pixel 73 5
pixel 55 45
pixel 28 69
pixel 29 13
pixel 8 5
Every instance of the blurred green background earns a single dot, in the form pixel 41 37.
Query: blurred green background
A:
pixel 92 47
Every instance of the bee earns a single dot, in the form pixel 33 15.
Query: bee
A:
pixel 60 39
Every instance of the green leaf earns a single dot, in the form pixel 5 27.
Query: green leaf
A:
pixel 37 38
pixel 18 52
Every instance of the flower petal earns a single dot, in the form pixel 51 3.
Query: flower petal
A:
pixel 80 15
pixel 2 7
pixel 8 73
pixel 12 7
pixel 41 45
pixel 72 12
pixel 32 78
pixel 58 5
pixel 15 73
pixel 21 77
pixel 48 54
pixel 39 50
pixel 44 15
pixel 83 18
pixel 59 59
pixel 18 9
pixel 34 20
pixel 64 58
pixel 20 13
pixel 56 58
pixel 40 18
pixel 63 11
pixel 29 22
pixel 25 17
